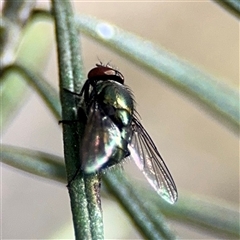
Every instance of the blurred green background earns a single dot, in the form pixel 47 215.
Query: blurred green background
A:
pixel 202 155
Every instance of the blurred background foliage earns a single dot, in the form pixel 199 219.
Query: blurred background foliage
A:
pixel 201 153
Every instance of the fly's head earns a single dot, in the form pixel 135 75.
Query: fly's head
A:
pixel 97 78
pixel 101 72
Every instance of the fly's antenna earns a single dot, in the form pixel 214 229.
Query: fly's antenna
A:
pixel 108 64
pixel 101 63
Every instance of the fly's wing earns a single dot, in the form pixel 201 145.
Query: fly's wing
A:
pixel 148 159
pixel 101 136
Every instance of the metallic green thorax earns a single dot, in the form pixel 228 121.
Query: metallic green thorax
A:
pixel 118 101
pixel 108 132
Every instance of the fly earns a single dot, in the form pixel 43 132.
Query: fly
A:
pixel 113 131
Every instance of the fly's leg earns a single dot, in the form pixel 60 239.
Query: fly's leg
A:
pixel 80 115
pixel 69 122
pixel 74 176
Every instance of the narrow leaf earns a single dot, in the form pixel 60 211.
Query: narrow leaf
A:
pixel 221 100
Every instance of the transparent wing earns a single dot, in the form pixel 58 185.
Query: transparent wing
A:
pixel 101 137
pixel 148 159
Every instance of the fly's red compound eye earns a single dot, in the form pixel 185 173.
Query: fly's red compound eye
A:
pixel 105 73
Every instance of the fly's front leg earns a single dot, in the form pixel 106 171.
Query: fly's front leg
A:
pixel 69 122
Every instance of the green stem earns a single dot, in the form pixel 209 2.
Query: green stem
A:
pixel 86 210
pixel 45 90
pixel 151 226
pixel 35 162
pixel 15 15
pixel 216 217
pixel 34 44
pixel 92 186
pixel 233 6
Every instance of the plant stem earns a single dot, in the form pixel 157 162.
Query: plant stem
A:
pixel 86 208
pixel 151 226
pixel 233 6
pixel 15 15
pixel 45 90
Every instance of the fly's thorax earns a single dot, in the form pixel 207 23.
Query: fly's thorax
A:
pixel 117 102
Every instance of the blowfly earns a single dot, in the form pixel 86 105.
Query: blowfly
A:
pixel 113 131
